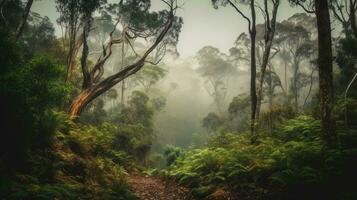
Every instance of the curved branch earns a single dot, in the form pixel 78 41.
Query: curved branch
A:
pixel 241 13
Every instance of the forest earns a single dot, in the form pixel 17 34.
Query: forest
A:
pixel 178 99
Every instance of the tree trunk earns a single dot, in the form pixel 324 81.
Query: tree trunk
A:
pixel 352 16
pixel 74 47
pixel 253 71
pixel 122 97
pixel 79 103
pixel 269 37
pixel 310 88
pixel 294 86
pixel 286 82
pixel 22 24
pixel 325 73
pixel 123 83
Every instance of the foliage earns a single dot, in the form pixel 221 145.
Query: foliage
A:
pixel 287 165
pixel 81 164
pixel 212 122
pixel 216 70
pixel 43 154
pixel 172 153
pixel 30 91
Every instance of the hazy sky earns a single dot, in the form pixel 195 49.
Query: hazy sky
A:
pixel 203 25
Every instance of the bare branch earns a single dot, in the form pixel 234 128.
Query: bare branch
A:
pixel 241 13
pixel 305 8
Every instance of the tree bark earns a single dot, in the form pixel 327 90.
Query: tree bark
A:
pixel 122 98
pixel 325 73
pixel 22 24
pixel 74 47
pixel 352 16
pixel 93 91
pixel 253 70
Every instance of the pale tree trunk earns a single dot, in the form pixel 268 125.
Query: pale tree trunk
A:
pixel 22 24
pixel 74 44
pixel 325 73
pixel 94 90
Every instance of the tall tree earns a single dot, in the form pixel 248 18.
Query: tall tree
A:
pixel 137 22
pixel 216 70
pixel 325 71
pixel 71 12
pixel 253 65
pixel 326 90
pixel 269 33
pixel 345 12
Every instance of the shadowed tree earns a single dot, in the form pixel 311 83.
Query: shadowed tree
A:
pixel 25 15
pixel 345 12
pixel 14 16
pixel 324 62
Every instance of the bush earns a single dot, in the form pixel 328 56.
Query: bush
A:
pixel 29 94
pixel 289 164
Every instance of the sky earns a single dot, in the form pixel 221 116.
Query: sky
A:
pixel 203 25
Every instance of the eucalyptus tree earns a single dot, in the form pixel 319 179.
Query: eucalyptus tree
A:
pixel 320 8
pixel 137 22
pixel 216 70
pixel 271 84
pixel 269 33
pixel 71 12
pixel 251 21
pixel 345 13
pixel 296 46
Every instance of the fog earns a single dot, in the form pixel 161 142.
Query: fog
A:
pixel 188 94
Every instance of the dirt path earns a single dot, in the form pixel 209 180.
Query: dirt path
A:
pixel 151 188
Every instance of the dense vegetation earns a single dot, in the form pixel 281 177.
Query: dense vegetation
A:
pixel 84 111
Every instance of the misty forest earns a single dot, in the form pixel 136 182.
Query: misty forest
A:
pixel 178 99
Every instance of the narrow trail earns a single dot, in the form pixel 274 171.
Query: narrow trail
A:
pixel 152 188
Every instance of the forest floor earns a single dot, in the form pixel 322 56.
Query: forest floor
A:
pixel 153 188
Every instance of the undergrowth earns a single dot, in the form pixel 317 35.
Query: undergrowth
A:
pixel 290 163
